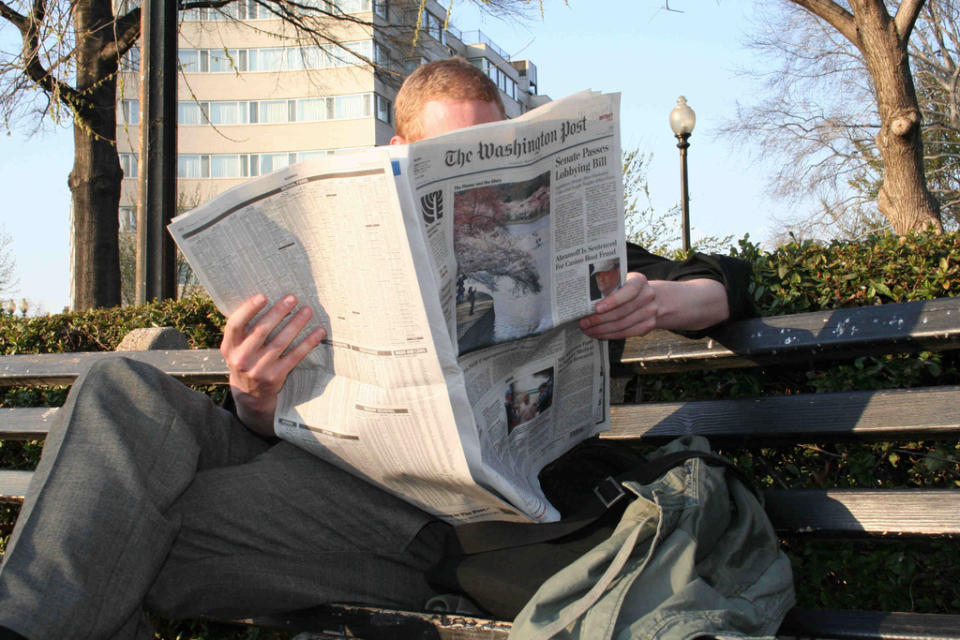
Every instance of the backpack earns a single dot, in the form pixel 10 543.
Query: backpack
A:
pixel 670 546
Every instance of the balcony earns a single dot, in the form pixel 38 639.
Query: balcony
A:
pixel 479 37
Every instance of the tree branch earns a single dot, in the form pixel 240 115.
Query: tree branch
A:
pixel 126 30
pixel 838 17
pixel 33 68
pixel 906 17
pixel 18 20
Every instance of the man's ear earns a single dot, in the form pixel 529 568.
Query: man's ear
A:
pixel 398 140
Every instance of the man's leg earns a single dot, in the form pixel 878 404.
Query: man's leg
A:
pixel 94 529
pixel 288 531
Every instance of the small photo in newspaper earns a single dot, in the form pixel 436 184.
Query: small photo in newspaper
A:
pixel 604 278
pixel 501 242
pixel 528 397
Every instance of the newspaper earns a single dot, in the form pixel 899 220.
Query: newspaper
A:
pixel 448 274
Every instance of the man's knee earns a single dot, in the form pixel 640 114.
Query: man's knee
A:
pixel 118 373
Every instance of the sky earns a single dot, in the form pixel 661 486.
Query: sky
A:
pixel 636 47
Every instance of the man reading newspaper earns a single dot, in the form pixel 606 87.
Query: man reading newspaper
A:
pixel 149 496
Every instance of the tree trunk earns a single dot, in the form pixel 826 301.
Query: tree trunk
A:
pixel 96 175
pixel 904 198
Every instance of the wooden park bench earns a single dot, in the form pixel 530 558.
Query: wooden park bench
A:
pixel 895 516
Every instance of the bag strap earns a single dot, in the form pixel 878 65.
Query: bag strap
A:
pixel 490 535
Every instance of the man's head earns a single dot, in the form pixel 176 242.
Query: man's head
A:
pixel 442 96
pixel 607 275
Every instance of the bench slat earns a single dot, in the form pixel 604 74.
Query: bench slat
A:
pixel 901 327
pixel 929 412
pixel 380 624
pixel 373 623
pixel 26 423
pixel 193 366
pixel 869 625
pixel 888 328
pixel 13 484
pixel 872 511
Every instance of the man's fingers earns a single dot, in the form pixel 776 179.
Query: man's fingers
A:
pixel 609 326
pixel 293 357
pixel 635 286
pixel 236 328
pixel 269 321
pixel 289 332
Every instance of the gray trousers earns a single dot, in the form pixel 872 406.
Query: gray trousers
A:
pixel 148 495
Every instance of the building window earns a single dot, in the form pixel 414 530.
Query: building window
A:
pixel 128 219
pixel 189 60
pixel 273 161
pixel 190 113
pixel 383 109
pixel 129 112
pixel 311 109
pixel 129 164
pixel 220 60
pixel 381 9
pixel 250 10
pixel 125 6
pixel 277 59
pixel 349 107
pixel 352 6
pixel 131 60
pixel 191 166
pixel 434 26
pixel 227 112
pixel 244 165
pixel 310 155
pixel 272 59
pixel 273 111
pixel 224 166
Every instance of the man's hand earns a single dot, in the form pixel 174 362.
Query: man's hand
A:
pixel 258 366
pixel 629 311
pixel 640 306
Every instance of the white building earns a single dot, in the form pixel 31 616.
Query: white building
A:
pixel 256 95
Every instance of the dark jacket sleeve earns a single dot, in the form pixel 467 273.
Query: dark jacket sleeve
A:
pixel 732 273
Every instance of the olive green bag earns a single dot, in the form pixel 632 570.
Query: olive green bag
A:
pixel 691 554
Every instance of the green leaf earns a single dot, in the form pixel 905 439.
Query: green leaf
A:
pixel 882 288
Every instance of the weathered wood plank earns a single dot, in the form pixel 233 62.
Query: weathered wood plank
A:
pixel 380 624
pixel 869 625
pixel 26 423
pixel 931 324
pixel 872 511
pixel 13 484
pixel 902 327
pixel 193 366
pixel 895 511
pixel 373 623
pixel 930 412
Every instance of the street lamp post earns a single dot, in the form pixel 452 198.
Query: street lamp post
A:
pixel 682 121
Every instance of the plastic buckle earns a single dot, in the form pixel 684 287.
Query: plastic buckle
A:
pixel 609 491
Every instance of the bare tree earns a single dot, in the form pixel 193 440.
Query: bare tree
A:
pixel 934 55
pixel 67 66
pixel 841 107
